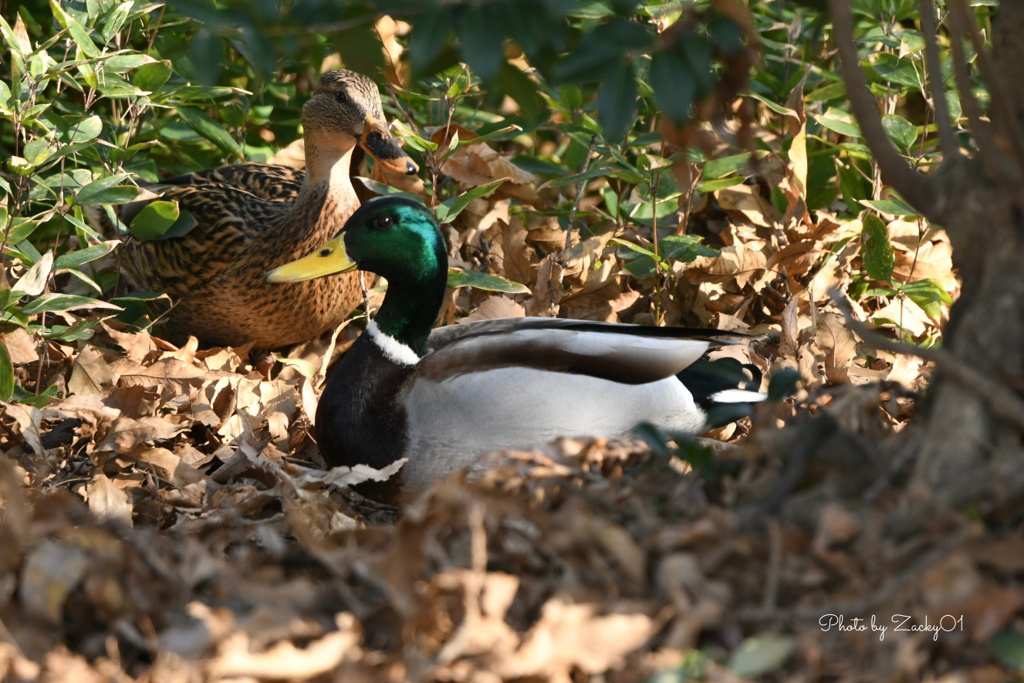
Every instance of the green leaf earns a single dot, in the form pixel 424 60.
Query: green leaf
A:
pixel 724 166
pixel 123 63
pixel 684 248
pixel 115 20
pixel 525 91
pixel 675 88
pixel 956 110
pixel 428 36
pixel 840 122
pixel 900 71
pixel 900 131
pixel 616 100
pixel 912 42
pixel 17 42
pixel 154 220
pixel 448 210
pixel 103 191
pixel 80 257
pixel 928 295
pixel 6 374
pixel 65 302
pixel 774 106
pixel 633 247
pixel 413 140
pixel 84 131
pixel 707 186
pixel 537 165
pixel 852 184
pixel 384 189
pixel 485 281
pixel 37 151
pixel 20 165
pixel 896 207
pixel 1008 647
pixel 5 98
pixel 33 282
pixel 589 62
pixel 503 133
pixel 306 368
pixel 631 35
pixel 211 130
pixel 761 655
pixel 726 34
pixel 590 9
pixel 359 47
pixel 876 249
pixel 151 77
pixel 783 384
pixel 78 34
pixel 481 42
pixel 832 91
pixel 572 96
pixel 576 177
pixel 699 54
pixel 82 329
pixel 21 228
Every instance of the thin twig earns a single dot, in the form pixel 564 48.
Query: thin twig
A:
pixel 1001 400
pixel 579 195
pixel 871 601
pixel 980 129
pixel 771 584
pixel 947 138
pixel 808 439
pixel 996 84
pixel 910 183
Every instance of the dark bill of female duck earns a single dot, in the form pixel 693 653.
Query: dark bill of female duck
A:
pixel 379 144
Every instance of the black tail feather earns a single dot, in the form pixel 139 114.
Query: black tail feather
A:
pixel 706 378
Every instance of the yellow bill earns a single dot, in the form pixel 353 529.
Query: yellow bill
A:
pixel 327 260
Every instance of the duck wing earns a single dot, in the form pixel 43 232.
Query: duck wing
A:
pixel 229 186
pixel 266 181
pixel 631 354
pixel 229 222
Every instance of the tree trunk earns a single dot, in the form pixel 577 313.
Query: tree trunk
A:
pixel 984 215
pixel 964 441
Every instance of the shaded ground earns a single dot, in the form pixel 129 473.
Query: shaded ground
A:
pixel 166 519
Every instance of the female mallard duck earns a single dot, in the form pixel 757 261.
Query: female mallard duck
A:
pixel 442 399
pixel 252 217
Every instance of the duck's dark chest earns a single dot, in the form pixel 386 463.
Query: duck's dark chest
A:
pixel 360 418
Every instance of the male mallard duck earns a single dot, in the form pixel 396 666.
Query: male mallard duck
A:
pixel 445 397
pixel 252 217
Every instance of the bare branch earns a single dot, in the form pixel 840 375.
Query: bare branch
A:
pixel 980 129
pixel 914 186
pixel 1005 117
pixel 1001 400
pixel 947 138
pixel 995 162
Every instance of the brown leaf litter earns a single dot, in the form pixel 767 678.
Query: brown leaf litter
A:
pixel 164 519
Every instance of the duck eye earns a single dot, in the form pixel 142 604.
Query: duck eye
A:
pixel 341 96
pixel 325 252
pixel 382 222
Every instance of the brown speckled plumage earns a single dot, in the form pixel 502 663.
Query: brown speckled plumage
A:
pixel 254 217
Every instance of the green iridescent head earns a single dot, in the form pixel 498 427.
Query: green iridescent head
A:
pixel 396 237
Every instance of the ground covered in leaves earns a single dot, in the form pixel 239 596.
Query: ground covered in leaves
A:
pixel 166 519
